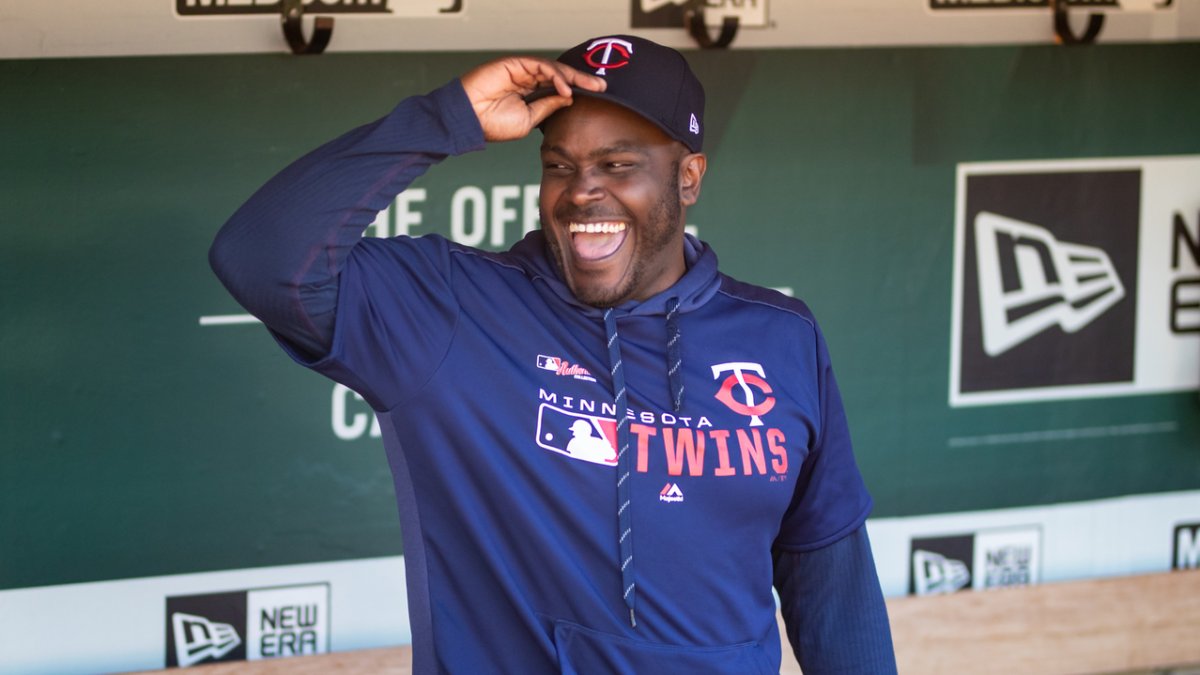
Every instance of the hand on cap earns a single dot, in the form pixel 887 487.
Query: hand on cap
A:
pixel 497 91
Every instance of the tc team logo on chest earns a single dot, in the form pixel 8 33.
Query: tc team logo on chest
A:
pixel 745 377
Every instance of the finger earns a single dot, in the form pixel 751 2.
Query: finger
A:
pixel 542 108
pixel 549 73
pixel 578 78
pixel 561 76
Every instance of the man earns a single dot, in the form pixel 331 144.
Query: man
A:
pixel 730 467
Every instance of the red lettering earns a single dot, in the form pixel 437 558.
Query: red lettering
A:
pixel 686 445
pixel 775 441
pixel 752 450
pixel 567 368
pixel 643 444
pixel 724 468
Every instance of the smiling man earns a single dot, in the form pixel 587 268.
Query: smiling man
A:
pixel 596 472
pixel 614 188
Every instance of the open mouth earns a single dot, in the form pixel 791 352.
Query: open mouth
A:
pixel 598 240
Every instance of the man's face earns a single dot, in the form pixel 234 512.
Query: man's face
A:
pixel 614 187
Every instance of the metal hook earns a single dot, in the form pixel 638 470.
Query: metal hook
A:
pixel 693 18
pixel 1062 26
pixel 293 29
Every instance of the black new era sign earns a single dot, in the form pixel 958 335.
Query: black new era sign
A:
pixel 206 628
pixel 1047 279
pixel 249 625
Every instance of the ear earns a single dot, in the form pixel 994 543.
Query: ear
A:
pixel 691 173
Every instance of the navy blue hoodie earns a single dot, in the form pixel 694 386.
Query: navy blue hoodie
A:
pixel 493 388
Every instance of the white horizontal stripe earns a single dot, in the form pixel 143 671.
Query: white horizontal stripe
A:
pixel 227 319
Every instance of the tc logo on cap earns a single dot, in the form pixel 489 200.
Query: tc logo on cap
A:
pixel 605 53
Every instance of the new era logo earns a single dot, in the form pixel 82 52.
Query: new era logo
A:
pixel 1030 281
pixel 993 558
pixel 935 574
pixel 197 639
pixel 1046 277
pixel 260 623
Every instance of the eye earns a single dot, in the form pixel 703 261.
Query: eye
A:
pixel 554 168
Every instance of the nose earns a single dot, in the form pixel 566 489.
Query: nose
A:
pixel 585 188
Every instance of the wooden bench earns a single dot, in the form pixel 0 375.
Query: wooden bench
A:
pixel 1100 626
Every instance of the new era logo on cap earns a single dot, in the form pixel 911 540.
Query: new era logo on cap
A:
pixel 653 81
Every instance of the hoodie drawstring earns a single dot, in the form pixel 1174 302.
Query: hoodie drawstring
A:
pixel 674 358
pixel 624 513
pixel 620 398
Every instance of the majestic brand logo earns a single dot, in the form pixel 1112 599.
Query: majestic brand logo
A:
pixel 564 368
pixel 197 639
pixel 744 375
pixel 604 54
pixel 671 493
pixel 1029 281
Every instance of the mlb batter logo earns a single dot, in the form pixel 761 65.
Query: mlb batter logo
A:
pixel 579 436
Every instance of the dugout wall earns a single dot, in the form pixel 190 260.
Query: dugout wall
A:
pixel 1001 238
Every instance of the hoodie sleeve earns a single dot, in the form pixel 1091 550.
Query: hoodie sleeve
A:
pixel 281 255
pixel 833 608
pixel 830 499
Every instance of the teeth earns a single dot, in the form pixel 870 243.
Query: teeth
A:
pixel 596 228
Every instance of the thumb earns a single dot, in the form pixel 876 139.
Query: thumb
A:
pixel 542 108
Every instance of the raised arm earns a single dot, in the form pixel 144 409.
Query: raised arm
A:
pixel 281 253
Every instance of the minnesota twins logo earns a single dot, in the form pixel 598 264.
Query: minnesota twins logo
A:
pixel 751 407
pixel 606 53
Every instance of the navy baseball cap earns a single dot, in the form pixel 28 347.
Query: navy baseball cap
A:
pixel 653 81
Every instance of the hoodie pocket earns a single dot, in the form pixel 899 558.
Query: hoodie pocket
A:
pixel 583 651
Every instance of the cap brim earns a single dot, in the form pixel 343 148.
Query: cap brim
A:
pixel 543 92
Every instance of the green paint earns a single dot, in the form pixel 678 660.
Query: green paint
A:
pixel 134 442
